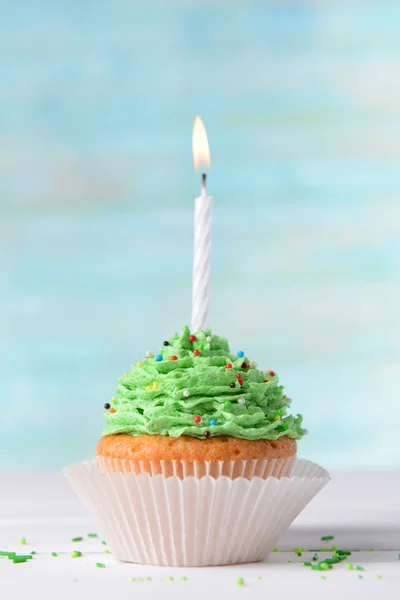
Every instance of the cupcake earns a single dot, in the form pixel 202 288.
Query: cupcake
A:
pixel 197 409
pixel 197 465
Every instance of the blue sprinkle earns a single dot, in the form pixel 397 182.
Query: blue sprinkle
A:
pixel 158 357
pixel 213 422
pixel 240 354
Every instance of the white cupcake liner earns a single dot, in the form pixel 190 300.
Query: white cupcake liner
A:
pixel 272 467
pixel 170 521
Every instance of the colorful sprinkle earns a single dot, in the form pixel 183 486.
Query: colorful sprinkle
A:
pixel 112 410
pixel 272 373
pixel 148 354
pixel 22 541
pixel 232 385
pixel 244 365
pixel 149 387
pixel 277 417
pixel 238 376
pixel 266 380
pixel 315 557
pixel 186 393
pixel 197 419
pixel 209 339
pixel 173 357
pixel 207 434
pixel 101 565
pixel 126 374
pixel 240 353
pixel 240 381
pixel 213 422
pixel 240 581
pixel 254 364
pixel 192 338
pixel 77 539
pixel 227 404
pixel 76 554
pixel 113 400
pixel 326 538
pixel 139 364
pixel 242 400
pixel 159 357
pixel 107 406
pixel 228 366
pixel 166 343
pixel 155 385
pixel 196 352
pixel 54 554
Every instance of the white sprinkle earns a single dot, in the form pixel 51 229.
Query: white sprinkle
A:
pixel 209 338
pixel 254 364
pixel 186 393
pixel 242 400
pixel 148 354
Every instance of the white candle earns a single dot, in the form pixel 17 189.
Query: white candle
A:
pixel 202 233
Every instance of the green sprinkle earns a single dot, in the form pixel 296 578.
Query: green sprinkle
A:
pixel 54 554
pixel 132 579
pixel 276 550
pixel 240 581
pixel 5 553
pixel 170 578
pixel 19 559
pixel 299 550
pixel 22 541
pixel 105 543
pixel 33 552
pixel 183 578
pixel 327 538
pixel 148 578
pixel 101 565
pixel 315 557
pixel 227 404
pixel 378 576
pixel 289 561
pixel 307 563
pixel 322 577
pixel 360 568
pixel 106 551
pixel 76 554
pixel 77 539
pixel 91 535
pixel 350 566
pixel 324 566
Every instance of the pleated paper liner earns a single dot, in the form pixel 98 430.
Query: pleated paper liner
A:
pixel 281 467
pixel 194 521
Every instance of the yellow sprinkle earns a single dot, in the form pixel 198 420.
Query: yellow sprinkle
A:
pixel 155 385
pixel 113 400
pixel 277 417
pixel 126 374
pixel 139 364
pixel 149 387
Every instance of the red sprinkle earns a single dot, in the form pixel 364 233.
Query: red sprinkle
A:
pixel 228 366
pixel 197 419
pixel 244 365
pixel 196 352
pixel 272 373
pixel 192 338
pixel 239 375
pixel 173 357
pixel 266 380
pixel 241 381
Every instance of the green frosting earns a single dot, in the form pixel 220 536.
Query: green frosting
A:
pixel 167 396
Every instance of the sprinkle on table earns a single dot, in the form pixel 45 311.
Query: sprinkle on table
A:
pixel 259 577
pixel 33 552
pixel 76 554
pixel 77 539
pixel 106 551
pixel 147 578
pixel 327 538
pixel 104 542
pixel 350 566
pixel 170 578
pixel 378 576
pixel 101 565
pixel 276 550
pixel 54 554
pixel 240 353
pixel 240 581
pixel 359 568
pixel 322 577
pixel 22 541
pixel 183 578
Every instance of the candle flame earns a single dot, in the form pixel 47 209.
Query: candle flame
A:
pixel 201 151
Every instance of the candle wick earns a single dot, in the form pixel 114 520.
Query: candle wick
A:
pixel 203 182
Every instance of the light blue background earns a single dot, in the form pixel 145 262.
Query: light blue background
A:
pixel 302 105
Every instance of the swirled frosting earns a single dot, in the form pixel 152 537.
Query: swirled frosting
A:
pixel 198 388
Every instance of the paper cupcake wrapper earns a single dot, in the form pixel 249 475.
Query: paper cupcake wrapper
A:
pixel 170 521
pixel 280 467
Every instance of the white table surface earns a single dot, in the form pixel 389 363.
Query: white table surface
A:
pixel 362 511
